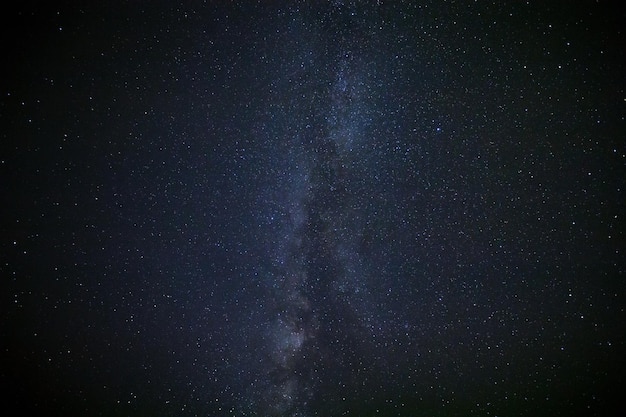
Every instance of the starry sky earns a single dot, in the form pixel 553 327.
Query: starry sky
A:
pixel 326 208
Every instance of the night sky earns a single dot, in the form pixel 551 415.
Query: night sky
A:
pixel 324 209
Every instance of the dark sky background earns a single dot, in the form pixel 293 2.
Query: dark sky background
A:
pixel 312 209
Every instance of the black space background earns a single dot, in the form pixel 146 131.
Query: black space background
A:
pixel 441 182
